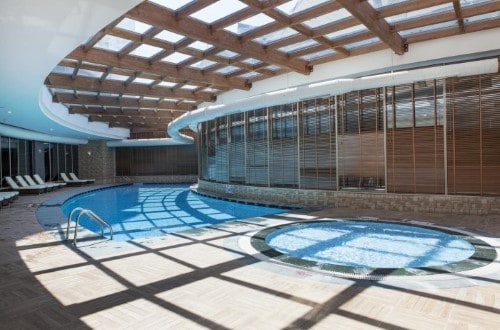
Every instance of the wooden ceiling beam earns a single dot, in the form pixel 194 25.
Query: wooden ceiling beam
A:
pixel 135 63
pixel 117 87
pixel 458 13
pixel 367 15
pixel 122 102
pixel 119 112
pixel 161 17
pixel 131 120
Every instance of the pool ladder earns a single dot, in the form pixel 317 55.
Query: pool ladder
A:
pixel 81 211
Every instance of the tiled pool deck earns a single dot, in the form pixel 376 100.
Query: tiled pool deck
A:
pixel 204 279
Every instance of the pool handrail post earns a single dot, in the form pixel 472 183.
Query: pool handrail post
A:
pixel 68 224
pixel 91 215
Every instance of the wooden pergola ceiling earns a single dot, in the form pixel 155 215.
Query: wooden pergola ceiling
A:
pixel 164 57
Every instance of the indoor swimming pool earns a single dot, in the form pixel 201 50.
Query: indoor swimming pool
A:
pixel 147 210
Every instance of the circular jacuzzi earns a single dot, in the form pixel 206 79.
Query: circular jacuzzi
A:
pixel 373 249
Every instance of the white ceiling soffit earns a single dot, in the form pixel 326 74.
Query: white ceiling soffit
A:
pixel 35 36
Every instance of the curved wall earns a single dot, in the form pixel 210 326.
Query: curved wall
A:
pixel 436 136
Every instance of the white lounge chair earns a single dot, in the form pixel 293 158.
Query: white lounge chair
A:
pixel 24 184
pixel 39 180
pixel 72 183
pixel 75 178
pixel 23 190
pixel 7 197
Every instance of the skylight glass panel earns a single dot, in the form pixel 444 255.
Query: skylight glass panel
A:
pixel 172 4
pixel 189 101
pixel 62 90
pixel 273 67
pixel 362 43
pixel 275 36
pixel 291 8
pixel 143 81
pixel 169 36
pixel 249 24
pixel 316 55
pixel 210 90
pixel 227 54
pixel 384 3
pixel 110 94
pixel 346 32
pixel 167 84
pixel 252 61
pixel 133 25
pixel 249 75
pixel 151 98
pixel 218 10
pixel 420 13
pixel 166 99
pixel 200 45
pixel 86 93
pixel 190 87
pixel 89 73
pixel 112 43
pixel 114 76
pixel 130 96
pixel 176 58
pixel 63 69
pixel 203 64
pixel 299 45
pixel 428 28
pixel 327 18
pixel 482 17
pixel 228 69
pixel 465 3
pixel 146 51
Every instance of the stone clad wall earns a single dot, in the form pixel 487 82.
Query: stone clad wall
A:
pixel 96 161
pixel 449 204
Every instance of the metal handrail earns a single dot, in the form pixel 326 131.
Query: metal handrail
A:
pixel 91 215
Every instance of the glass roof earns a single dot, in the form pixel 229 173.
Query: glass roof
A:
pixel 327 18
pixel 296 6
pixel 249 24
pixel 299 45
pixel 346 32
pixel 200 45
pixel 167 84
pixel 275 36
pixel 218 10
pixel 362 43
pixel 169 36
pixel 176 58
pixel 203 64
pixel 113 76
pixel 228 69
pixel 430 28
pixel 383 3
pixel 146 51
pixel 112 43
pixel 133 25
pixel 172 4
pixel 143 81
pixel 322 53
pixel 228 54
pixel 420 13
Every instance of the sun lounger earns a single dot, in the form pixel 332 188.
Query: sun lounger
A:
pixel 75 178
pixel 7 197
pixel 24 184
pixel 39 180
pixel 22 190
pixel 72 183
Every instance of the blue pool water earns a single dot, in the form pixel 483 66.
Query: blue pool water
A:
pixel 369 244
pixel 136 211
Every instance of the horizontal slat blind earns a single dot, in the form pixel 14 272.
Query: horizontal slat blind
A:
pixel 257 148
pixel 317 144
pixel 361 140
pixel 237 148
pixel 473 135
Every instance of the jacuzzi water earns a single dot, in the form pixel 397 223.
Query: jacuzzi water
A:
pixel 147 210
pixel 369 244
